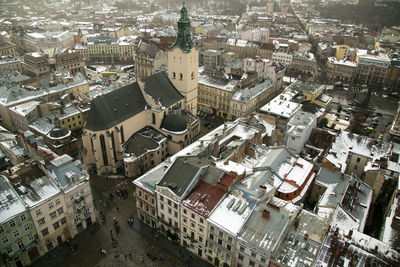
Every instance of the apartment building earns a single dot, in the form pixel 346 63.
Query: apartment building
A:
pixel 17 231
pixel 74 182
pixel 149 59
pixel 36 64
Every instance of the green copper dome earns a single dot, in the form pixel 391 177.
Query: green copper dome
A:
pixel 183 39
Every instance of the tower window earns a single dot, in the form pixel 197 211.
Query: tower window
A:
pixel 192 75
pixel 180 76
pixel 174 75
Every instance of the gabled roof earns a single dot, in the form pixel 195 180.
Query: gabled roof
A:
pixel 110 109
pixel 181 174
pixel 161 89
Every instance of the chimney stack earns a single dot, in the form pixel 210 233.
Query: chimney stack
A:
pixel 266 214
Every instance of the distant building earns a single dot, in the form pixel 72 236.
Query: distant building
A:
pixel 71 61
pixel 36 64
pixel 149 59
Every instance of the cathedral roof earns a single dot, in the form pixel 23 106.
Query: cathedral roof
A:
pixel 108 110
pixel 161 89
pixel 117 106
pixel 174 123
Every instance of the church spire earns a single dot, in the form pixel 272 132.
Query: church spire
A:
pixel 183 39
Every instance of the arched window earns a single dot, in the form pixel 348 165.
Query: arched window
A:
pixel 113 146
pixel 122 134
pixel 103 150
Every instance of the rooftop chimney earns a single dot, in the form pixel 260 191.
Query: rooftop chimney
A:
pixel 266 214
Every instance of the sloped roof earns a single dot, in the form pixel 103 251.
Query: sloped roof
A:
pixel 160 88
pixel 115 107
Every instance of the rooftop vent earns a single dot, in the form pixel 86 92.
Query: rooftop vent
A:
pixel 266 214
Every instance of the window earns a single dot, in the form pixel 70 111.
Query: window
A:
pixel 200 238
pixel 229 239
pixel 60 211
pixel 175 206
pixel 211 229
pixel 12 223
pixel 219 241
pixel 5 240
pixel 23 217
pixel 240 257
pixel 173 75
pixel 192 75
pixel 263 260
pixel 38 213
pixel 252 263
pixel 184 229
pixel 16 233
pixel 53 215
pixel 63 221
pixel 41 221
pixel 82 192
pixel 253 254
pixel 201 220
pixel 56 225
pixel 193 216
pixel 184 211
pixel 20 244
pixel 241 248
pixel 161 198
pixel 211 236
pixel 1 229
pixel 27 227
pixel 51 205
pixel 192 224
pixel 180 76
pixel 71 197
pixel 176 214
pixel 228 247
pixel 30 237
pixel 169 202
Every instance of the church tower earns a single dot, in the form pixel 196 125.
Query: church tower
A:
pixel 183 63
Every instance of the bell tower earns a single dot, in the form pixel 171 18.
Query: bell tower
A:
pixel 183 63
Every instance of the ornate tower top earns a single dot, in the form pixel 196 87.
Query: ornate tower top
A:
pixel 183 39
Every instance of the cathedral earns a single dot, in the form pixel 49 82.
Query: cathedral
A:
pixel 135 127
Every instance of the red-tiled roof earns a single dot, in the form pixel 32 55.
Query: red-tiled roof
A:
pixel 203 198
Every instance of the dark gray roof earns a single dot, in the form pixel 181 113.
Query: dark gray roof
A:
pixel 182 172
pixel 145 139
pixel 174 123
pixel 160 88
pixel 149 50
pixel 212 176
pixel 117 106
pixel 110 109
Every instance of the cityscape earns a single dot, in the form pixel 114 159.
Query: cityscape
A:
pixel 258 133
